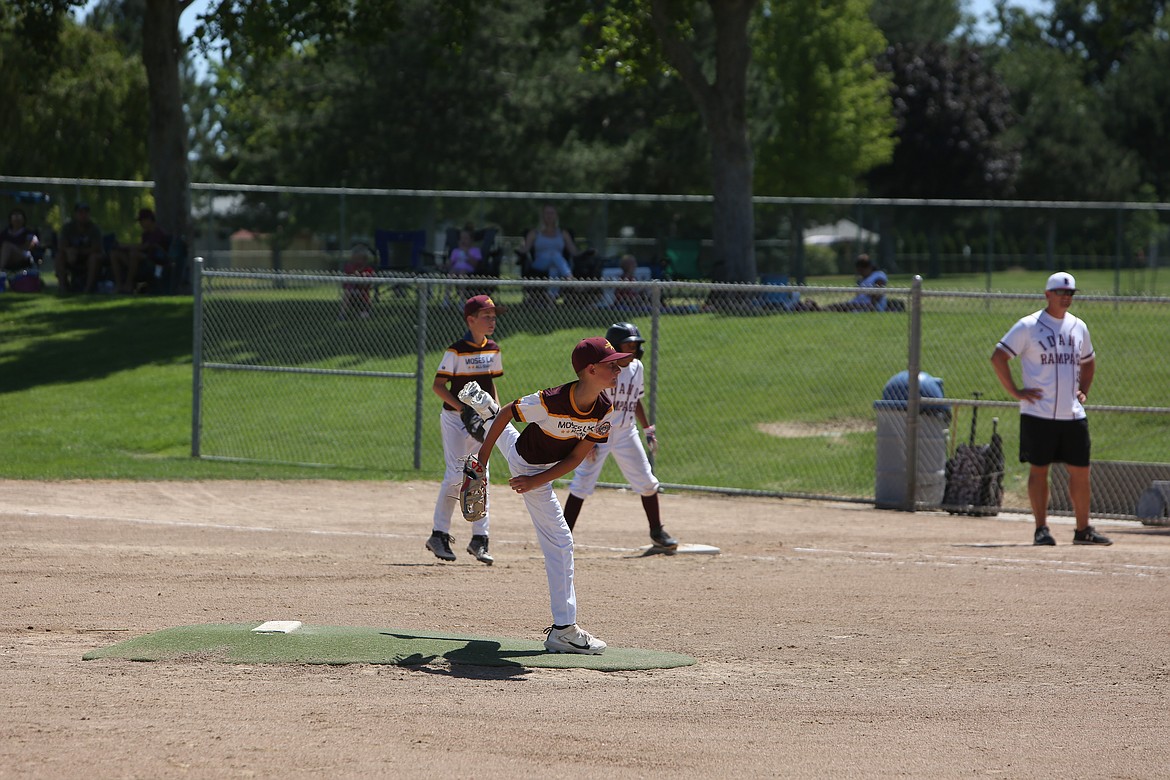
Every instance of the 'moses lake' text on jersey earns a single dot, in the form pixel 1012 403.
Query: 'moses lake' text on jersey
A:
pixel 556 424
pixel 1051 353
pixel 464 362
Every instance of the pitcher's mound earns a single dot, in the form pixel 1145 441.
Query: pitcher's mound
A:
pixel 239 643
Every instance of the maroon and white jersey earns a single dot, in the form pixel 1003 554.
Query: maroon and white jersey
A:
pixel 464 362
pixel 556 423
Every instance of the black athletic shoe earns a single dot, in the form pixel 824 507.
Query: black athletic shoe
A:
pixel 440 545
pixel 1043 536
pixel 662 538
pixel 479 548
pixel 1090 536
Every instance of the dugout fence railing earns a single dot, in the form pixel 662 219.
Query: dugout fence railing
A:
pixel 755 389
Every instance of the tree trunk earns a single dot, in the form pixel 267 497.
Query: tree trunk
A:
pixel 731 147
pixel 734 224
pixel 167 141
pixel 723 105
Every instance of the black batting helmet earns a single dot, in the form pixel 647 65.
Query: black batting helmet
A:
pixel 623 332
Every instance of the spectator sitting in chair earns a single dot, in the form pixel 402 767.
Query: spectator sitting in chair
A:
pixel 80 250
pixel 626 295
pixel 548 245
pixel 127 260
pixel 868 275
pixel 17 243
pixel 465 257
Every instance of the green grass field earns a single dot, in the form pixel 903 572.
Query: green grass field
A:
pixel 99 387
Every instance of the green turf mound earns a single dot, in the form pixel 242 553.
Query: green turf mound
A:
pixel 237 643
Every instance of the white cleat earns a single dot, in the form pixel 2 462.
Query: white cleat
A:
pixel 483 404
pixel 572 639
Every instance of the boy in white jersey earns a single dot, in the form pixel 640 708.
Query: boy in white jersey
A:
pixel 563 424
pixel 624 443
pixel 473 358
pixel 1057 365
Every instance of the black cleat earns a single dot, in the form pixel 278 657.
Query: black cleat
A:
pixel 440 544
pixel 1043 537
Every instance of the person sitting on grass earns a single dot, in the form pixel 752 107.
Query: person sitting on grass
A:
pixel 81 251
pixel 126 261
pixel 868 276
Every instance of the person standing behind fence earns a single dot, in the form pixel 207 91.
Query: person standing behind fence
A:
pixel 624 443
pixel 473 358
pixel 1057 365
pixel 355 296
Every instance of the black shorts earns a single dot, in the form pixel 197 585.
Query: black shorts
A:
pixel 1043 442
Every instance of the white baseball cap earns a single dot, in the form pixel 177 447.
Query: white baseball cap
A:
pixel 1061 281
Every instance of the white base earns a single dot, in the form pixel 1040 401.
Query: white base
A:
pixel 277 627
pixel 682 549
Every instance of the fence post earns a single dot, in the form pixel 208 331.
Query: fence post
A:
pixel 913 393
pixel 990 245
pixel 655 316
pixel 424 295
pixel 1119 250
pixel 197 356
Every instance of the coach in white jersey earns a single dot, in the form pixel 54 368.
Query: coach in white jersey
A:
pixel 624 443
pixel 1057 365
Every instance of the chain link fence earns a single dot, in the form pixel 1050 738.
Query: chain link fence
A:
pixel 311 229
pixel 761 389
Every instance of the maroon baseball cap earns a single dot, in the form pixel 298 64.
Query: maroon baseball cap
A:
pixel 478 303
pixel 145 214
pixel 596 350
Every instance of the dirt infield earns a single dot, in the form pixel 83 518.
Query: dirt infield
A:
pixel 832 640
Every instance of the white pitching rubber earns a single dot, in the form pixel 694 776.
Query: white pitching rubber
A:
pixel 277 627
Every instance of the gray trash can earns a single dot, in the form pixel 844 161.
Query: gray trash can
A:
pixel 933 430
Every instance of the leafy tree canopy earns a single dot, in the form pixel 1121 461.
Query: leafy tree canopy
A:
pixel 916 21
pixel 952 111
pixel 823 114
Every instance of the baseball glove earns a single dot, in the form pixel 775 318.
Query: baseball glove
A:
pixel 474 396
pixel 473 423
pixel 473 492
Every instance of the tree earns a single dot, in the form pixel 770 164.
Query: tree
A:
pixel 952 112
pixel 162 52
pixel 1136 109
pixel 708 46
pixel 916 21
pixel 1069 155
pixel 509 107
pixel 824 115
pixel 166 130
pixel 75 111
pixel 1102 32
